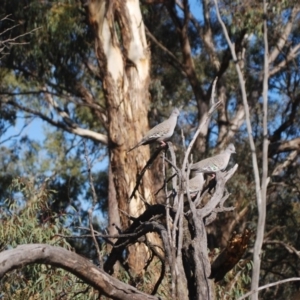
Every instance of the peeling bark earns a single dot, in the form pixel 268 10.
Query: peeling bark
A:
pixel 124 62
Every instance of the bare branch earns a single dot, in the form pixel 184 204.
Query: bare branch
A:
pixel 72 128
pixel 188 63
pixel 260 190
pixel 262 205
pixel 291 55
pixel 285 146
pixel 70 261
pixel 240 215
pixel 15 135
pixel 199 243
pixel 165 49
pixel 234 124
pixel 289 248
pixel 169 224
pixel 201 125
pixel 289 160
pixel 204 32
pixel 140 226
pixel 89 101
pixel 140 176
pixel 269 285
pixel 95 201
pixel 6 44
pixel 285 33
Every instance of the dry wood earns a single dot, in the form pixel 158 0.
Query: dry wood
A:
pixel 81 267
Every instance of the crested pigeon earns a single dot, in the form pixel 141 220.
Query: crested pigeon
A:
pixel 161 132
pixel 196 183
pixel 215 163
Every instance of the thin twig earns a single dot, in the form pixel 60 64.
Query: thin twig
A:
pixel 177 170
pixel 91 210
pixel 289 248
pixel 268 286
pixel 187 153
pixel 18 134
pixel 210 112
pixel 140 176
pixel 164 186
pixel 165 50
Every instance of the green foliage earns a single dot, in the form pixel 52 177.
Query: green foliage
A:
pixel 29 219
pixel 236 283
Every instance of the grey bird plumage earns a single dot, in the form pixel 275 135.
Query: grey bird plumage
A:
pixel 161 132
pixel 196 183
pixel 215 163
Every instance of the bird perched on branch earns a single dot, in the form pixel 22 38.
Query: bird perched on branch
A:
pixel 215 163
pixel 196 184
pixel 161 132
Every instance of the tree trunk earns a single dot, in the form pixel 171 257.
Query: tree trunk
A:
pixel 124 62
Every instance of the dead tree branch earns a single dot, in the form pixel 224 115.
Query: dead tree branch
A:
pixel 140 226
pixel 140 176
pixel 260 189
pixel 71 128
pixel 268 286
pixel 79 266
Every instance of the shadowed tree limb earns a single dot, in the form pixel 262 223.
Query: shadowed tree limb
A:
pixel 140 226
pixel 147 166
pixel 81 267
